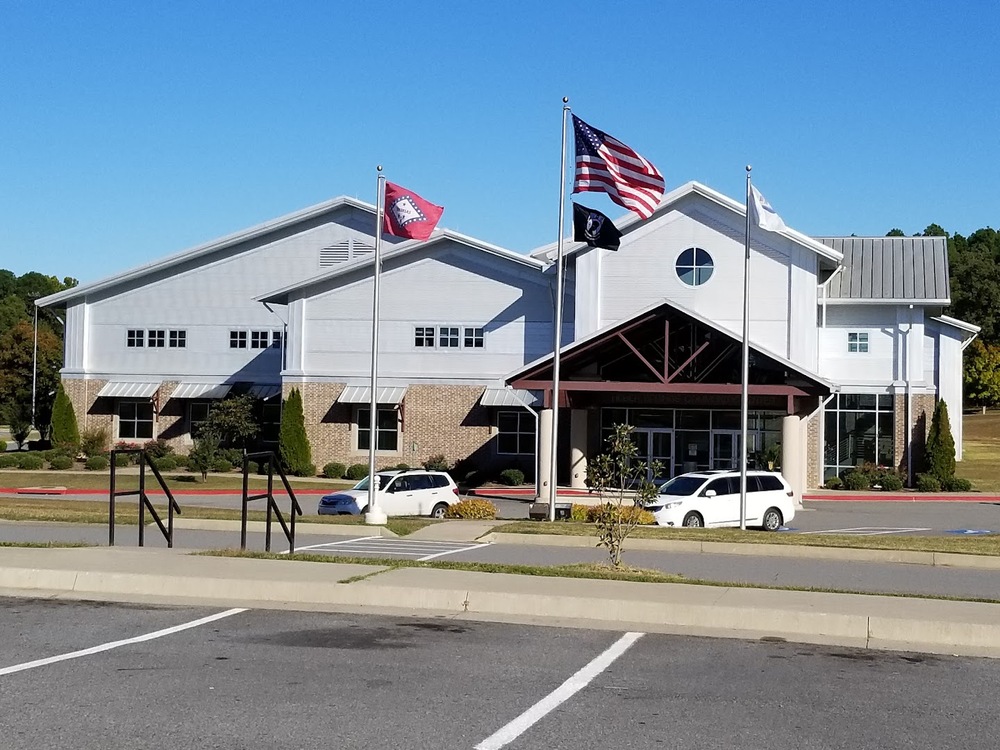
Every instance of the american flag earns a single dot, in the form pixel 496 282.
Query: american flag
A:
pixel 606 165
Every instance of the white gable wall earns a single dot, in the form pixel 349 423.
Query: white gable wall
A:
pixel 949 342
pixel 878 365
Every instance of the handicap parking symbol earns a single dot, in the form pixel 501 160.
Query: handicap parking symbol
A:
pixel 970 532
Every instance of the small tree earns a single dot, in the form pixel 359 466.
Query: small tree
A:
pixel 205 452
pixel 940 448
pixel 65 433
pixel 293 444
pixel 982 374
pixel 611 474
pixel 233 420
pixel 18 419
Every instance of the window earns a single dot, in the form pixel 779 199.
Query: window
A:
pixel 134 339
pixel 259 339
pixel 723 486
pixel 197 414
pixel 386 429
pixel 178 339
pixel 270 421
pixel 135 420
pixel 473 338
pixel 448 337
pixel 157 339
pixel 859 428
pixel 694 266
pixel 423 336
pixel 276 338
pixel 857 342
pixel 515 433
pixel 237 339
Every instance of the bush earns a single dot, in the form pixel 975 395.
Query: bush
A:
pixel 889 481
pixel 957 484
pixel 96 463
pixel 123 459
pixel 334 470
pixel 928 483
pixel 234 456
pixel 166 463
pixel 306 470
pixel 834 483
pixel 8 460
pixel 158 448
pixel 222 465
pixel 293 443
pixel 30 461
pixel 857 479
pixel 65 432
pixel 94 442
pixel 357 472
pixel 60 463
pixel 403 467
pixel 512 477
pixel 473 507
pixel 436 462
pixel 609 512
pixel 578 512
pixel 940 447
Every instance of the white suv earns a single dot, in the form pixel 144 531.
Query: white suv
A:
pixel 712 498
pixel 410 492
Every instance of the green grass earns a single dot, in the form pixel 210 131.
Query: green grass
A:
pixel 128 478
pixel 46 545
pixel 981 451
pixel 982 545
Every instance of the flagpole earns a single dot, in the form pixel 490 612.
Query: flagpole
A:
pixel 745 381
pixel 557 325
pixel 375 514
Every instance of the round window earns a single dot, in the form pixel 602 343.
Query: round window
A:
pixel 694 266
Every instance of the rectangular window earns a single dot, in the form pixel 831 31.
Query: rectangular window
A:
pixel 157 339
pixel 135 420
pixel 178 339
pixel 473 338
pixel 515 433
pixel 448 337
pixel 134 339
pixel 259 339
pixel 857 342
pixel 276 339
pixel 386 429
pixel 237 339
pixel 197 414
pixel 859 429
pixel 423 337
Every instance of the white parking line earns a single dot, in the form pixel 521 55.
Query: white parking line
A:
pixel 867 531
pixel 514 729
pixel 323 545
pixel 117 644
pixel 452 552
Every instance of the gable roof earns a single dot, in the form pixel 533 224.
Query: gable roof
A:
pixel 280 296
pixel 632 221
pixel 210 247
pixel 890 269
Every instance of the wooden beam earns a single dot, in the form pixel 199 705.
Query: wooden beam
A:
pixel 645 361
pixel 726 389
pixel 687 361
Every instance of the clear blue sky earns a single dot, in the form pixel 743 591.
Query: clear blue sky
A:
pixel 129 131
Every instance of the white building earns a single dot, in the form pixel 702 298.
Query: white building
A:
pixel 849 345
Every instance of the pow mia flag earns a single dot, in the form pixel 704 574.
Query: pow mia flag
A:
pixel 594 228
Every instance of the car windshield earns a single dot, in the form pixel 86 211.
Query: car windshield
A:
pixel 682 485
pixel 383 480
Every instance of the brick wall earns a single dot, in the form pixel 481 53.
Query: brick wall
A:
pixel 91 413
pixel 814 468
pixel 923 410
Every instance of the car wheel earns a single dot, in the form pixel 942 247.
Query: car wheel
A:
pixel 694 521
pixel 364 510
pixel 772 519
pixel 439 510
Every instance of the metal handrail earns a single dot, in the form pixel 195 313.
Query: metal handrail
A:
pixel 144 503
pixel 272 506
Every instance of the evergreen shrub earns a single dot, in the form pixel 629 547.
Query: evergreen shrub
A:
pixel 293 444
pixel 940 447
pixel 472 507
pixel 30 461
pixel 512 477
pixel 61 463
pixel 96 463
pixel 928 483
pixel 65 432
pixel 334 470
pixel 357 472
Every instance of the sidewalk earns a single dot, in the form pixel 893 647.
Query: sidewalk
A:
pixel 168 576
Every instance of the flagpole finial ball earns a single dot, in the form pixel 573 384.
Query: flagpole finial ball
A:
pixel 749 167
pixel 565 100
pixel 379 167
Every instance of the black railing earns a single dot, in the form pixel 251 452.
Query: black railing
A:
pixel 272 506
pixel 144 504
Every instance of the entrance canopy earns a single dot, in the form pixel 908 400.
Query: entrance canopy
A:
pixel 667 349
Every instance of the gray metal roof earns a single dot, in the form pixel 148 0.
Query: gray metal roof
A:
pixel 890 268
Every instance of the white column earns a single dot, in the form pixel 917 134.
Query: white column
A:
pixel 793 455
pixel 578 449
pixel 544 452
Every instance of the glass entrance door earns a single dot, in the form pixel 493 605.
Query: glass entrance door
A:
pixel 655 445
pixel 726 449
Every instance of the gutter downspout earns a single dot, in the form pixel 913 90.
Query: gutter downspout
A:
pixel 909 403
pixel 537 439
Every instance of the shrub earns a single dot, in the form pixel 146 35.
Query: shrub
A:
pixel 928 483
pixel 158 448
pixel 940 448
pixel 357 472
pixel 94 442
pixel 305 470
pixel 166 463
pixel 436 462
pixel 889 481
pixel 473 507
pixel 30 461
pixel 65 432
pixel 334 470
pixel 60 463
pixel 123 459
pixel 579 513
pixel 402 467
pixel 834 483
pixel 8 460
pixel 222 465
pixel 612 513
pixel 512 477
pixel 96 463
pixel 957 484
pixel 293 444
pixel 857 479
pixel 234 456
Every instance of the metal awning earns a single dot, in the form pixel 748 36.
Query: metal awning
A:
pixel 201 390
pixel 264 392
pixel 361 394
pixel 509 397
pixel 128 389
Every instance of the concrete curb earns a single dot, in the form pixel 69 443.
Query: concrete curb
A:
pixel 852 554
pixel 893 623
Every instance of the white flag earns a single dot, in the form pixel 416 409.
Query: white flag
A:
pixel 767 217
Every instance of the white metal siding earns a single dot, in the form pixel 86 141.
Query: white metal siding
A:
pixel 878 365
pixel 950 385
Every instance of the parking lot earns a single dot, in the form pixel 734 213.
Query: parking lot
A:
pixel 165 677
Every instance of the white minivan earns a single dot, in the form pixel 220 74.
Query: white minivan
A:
pixel 413 492
pixel 712 498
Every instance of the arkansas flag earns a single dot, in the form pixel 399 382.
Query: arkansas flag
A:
pixel 407 214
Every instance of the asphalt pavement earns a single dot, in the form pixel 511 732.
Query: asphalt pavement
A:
pixel 255 678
